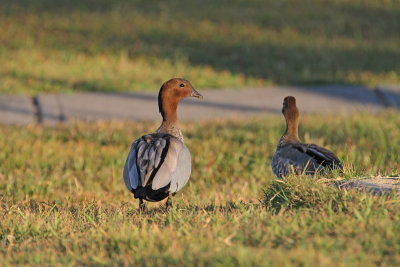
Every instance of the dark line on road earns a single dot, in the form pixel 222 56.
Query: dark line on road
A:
pixel 37 112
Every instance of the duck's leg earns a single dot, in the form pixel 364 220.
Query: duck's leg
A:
pixel 142 206
pixel 168 204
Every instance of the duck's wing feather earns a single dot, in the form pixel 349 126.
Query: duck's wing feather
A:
pixel 145 158
pixel 157 160
pixel 131 175
pixel 322 155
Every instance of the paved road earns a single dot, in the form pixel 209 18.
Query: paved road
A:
pixel 142 106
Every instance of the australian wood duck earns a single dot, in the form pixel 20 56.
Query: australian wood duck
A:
pixel 159 164
pixel 291 154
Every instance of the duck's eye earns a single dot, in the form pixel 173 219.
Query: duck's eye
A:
pixel 182 85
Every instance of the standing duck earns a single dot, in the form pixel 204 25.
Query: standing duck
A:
pixel 159 164
pixel 291 154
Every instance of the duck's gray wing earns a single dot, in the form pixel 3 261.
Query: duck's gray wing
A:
pixel 322 155
pixel 288 159
pixel 145 158
pixel 175 169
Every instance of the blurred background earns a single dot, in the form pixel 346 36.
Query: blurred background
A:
pixel 88 45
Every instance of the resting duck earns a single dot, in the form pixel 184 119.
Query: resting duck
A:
pixel 292 154
pixel 159 164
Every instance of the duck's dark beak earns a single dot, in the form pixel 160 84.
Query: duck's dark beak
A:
pixel 196 94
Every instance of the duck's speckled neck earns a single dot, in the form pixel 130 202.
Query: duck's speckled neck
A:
pixel 171 128
pixel 288 139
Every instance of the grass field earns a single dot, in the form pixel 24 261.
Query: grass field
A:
pixel 136 45
pixel 63 200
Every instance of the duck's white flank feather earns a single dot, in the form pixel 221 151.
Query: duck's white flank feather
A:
pixel 176 167
pixel 181 174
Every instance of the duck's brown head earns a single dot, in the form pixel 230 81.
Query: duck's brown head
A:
pixel 171 93
pixel 289 109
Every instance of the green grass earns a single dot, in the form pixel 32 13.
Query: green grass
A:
pixel 136 45
pixel 63 200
